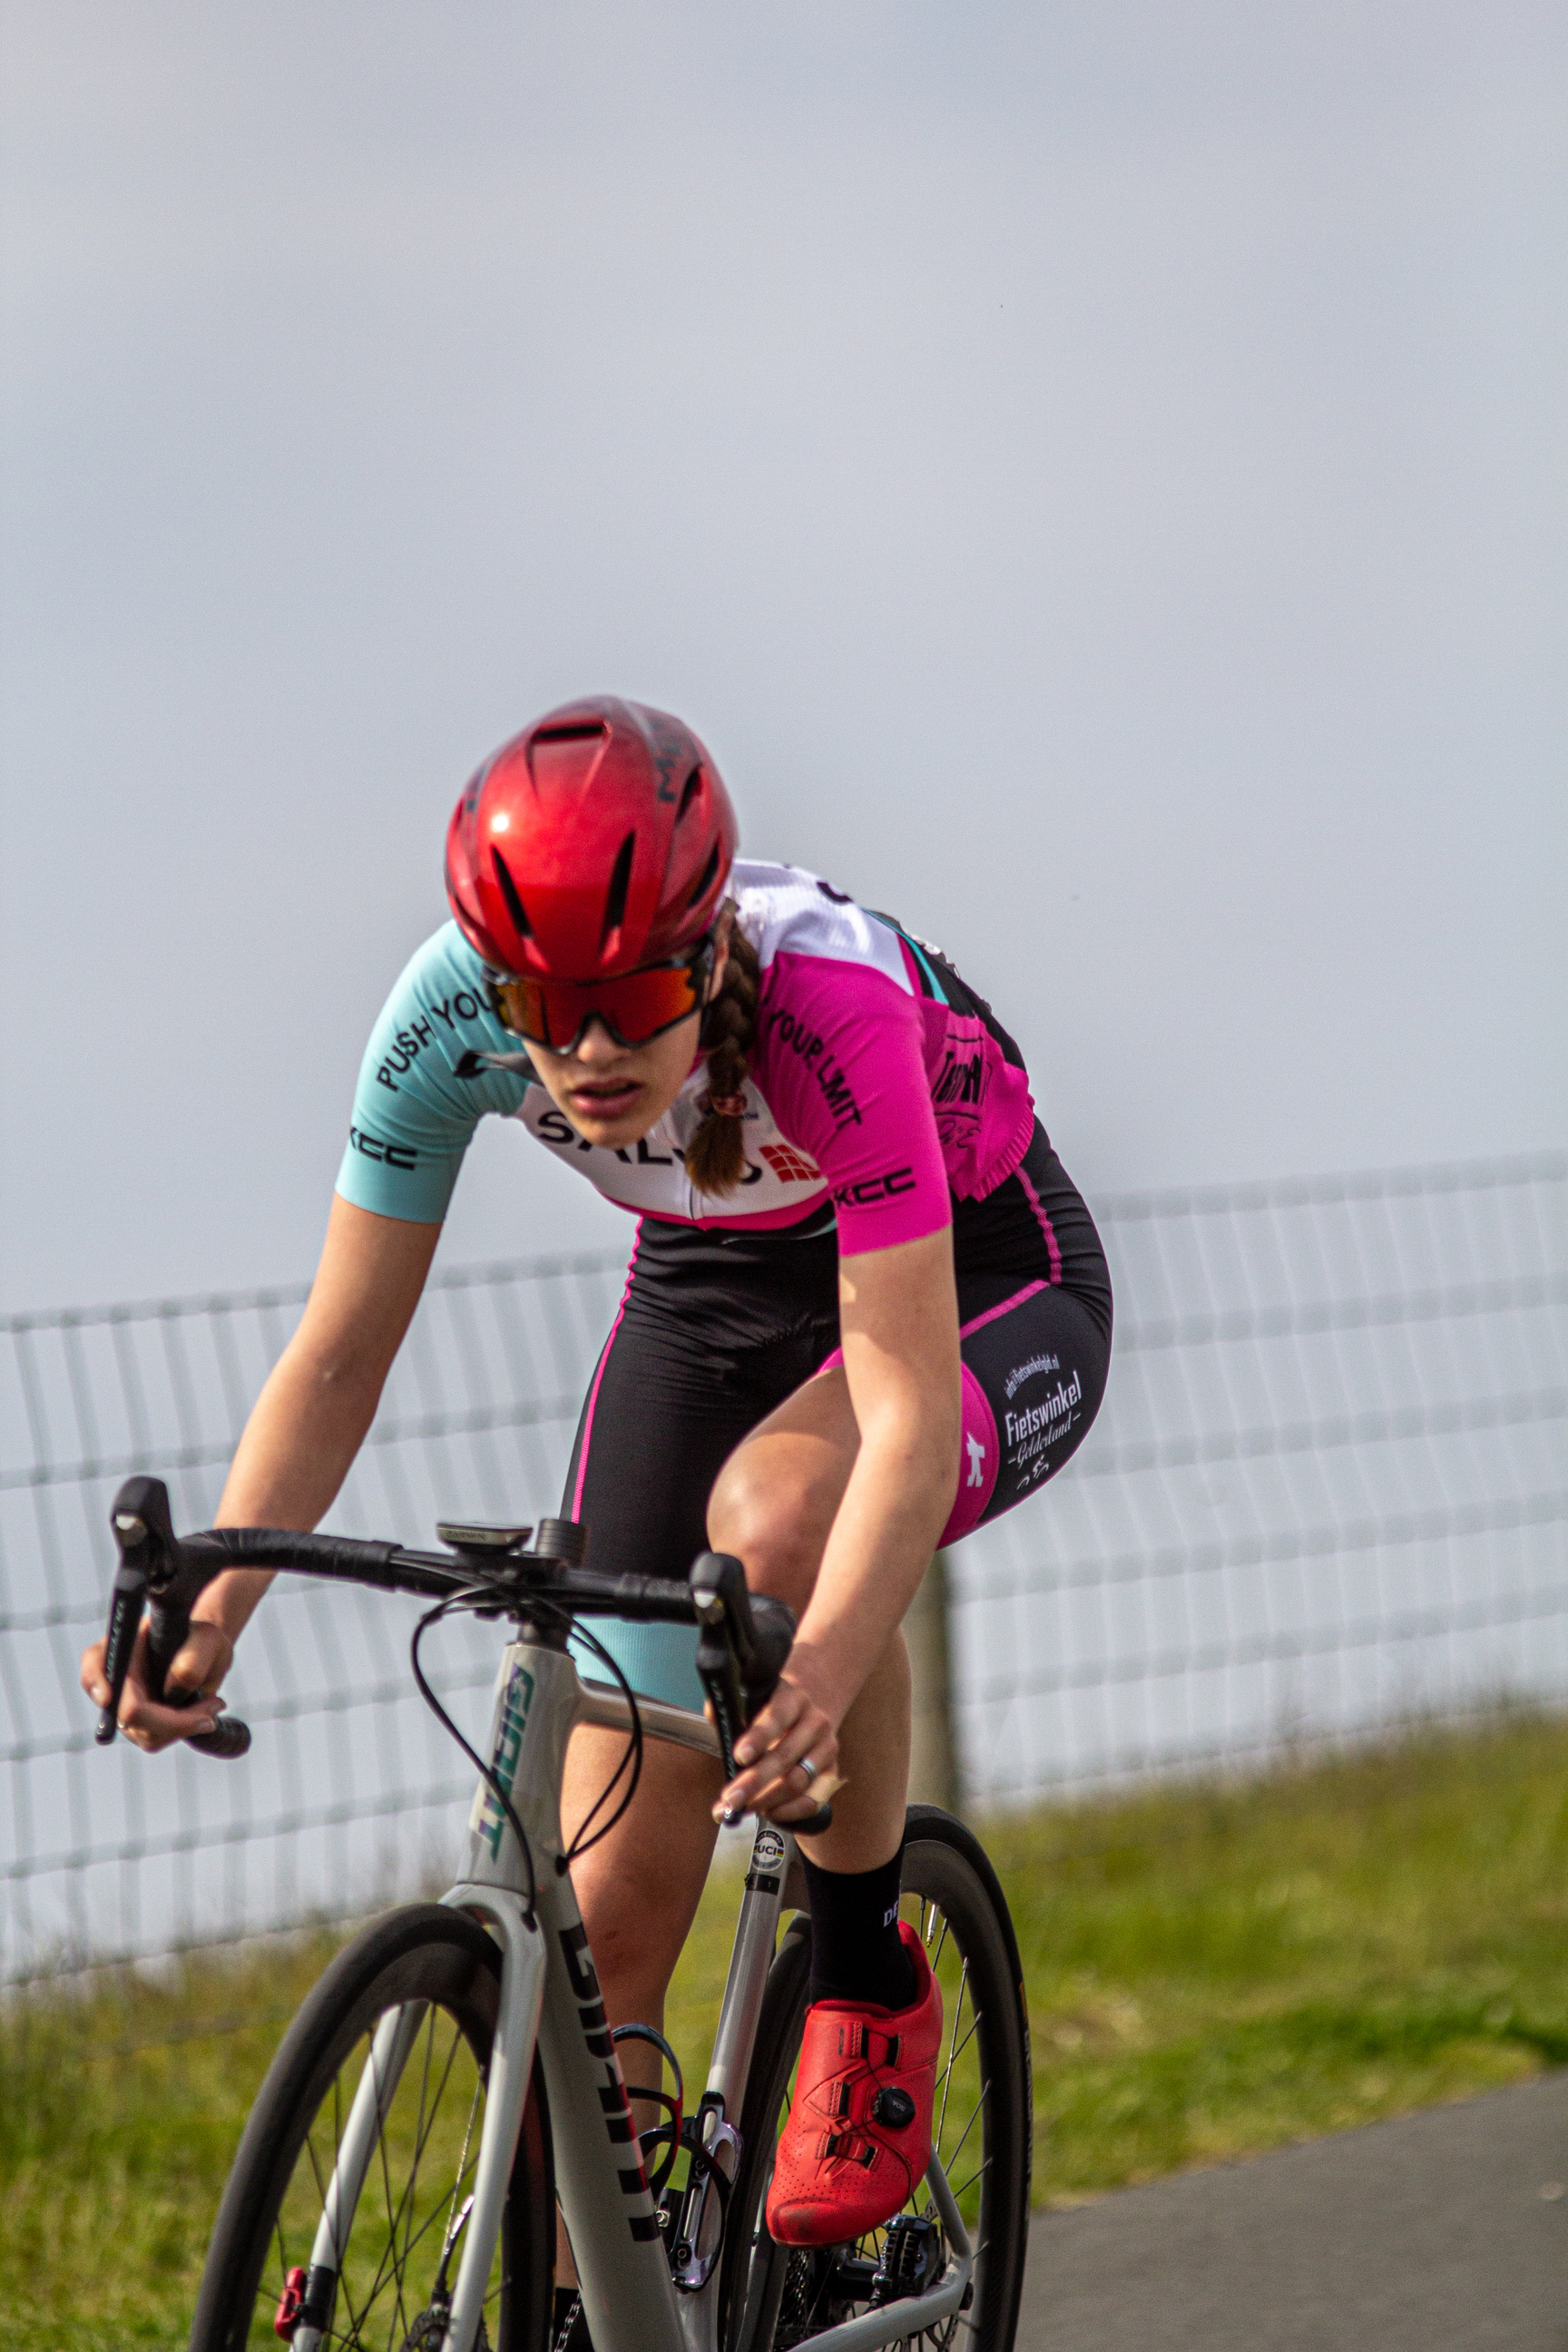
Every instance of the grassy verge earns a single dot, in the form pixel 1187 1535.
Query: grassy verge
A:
pixel 1213 1970
pixel 1217 1971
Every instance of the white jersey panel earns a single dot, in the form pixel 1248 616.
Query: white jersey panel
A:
pixel 780 1183
pixel 784 909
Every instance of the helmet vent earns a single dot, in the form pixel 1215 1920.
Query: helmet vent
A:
pixel 582 733
pixel 693 785
pixel 508 890
pixel 705 879
pixel 620 883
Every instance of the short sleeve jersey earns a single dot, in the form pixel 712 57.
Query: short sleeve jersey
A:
pixel 878 1083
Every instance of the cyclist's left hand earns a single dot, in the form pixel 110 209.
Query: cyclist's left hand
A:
pixel 770 1749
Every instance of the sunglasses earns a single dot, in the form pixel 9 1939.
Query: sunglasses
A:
pixel 634 1006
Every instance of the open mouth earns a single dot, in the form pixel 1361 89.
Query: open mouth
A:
pixel 607 1101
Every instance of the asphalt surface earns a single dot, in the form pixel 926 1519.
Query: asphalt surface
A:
pixel 1430 2234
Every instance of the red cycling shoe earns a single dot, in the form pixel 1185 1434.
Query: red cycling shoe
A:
pixel 858 2137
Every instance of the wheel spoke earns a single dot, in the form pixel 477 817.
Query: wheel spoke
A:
pixel 406 2200
pixel 947 2071
pixel 413 2001
pixel 399 2316
pixel 357 2318
pixel 419 2124
pixel 430 2220
pixel 339 2251
pixel 379 2279
pixel 954 2152
pixel 463 2151
pixel 947 2083
pixel 316 2170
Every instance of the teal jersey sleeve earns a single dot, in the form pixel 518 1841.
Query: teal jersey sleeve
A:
pixel 413 1116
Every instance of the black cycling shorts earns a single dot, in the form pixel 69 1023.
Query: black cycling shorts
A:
pixel 716 1329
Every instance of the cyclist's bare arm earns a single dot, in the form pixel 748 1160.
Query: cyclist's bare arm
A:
pixel 899 1321
pixel 301 1437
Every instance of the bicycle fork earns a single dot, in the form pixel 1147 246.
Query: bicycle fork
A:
pixel 511 2057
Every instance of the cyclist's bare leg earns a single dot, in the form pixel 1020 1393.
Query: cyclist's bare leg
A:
pixel 773 1504
pixel 639 1888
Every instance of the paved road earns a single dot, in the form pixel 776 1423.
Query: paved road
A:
pixel 1430 2234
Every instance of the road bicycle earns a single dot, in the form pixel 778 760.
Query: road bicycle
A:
pixel 453 2074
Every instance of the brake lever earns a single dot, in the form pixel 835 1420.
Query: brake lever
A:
pixel 733 1664
pixel 151 1576
pixel 144 1535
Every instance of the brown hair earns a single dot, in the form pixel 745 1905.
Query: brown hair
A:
pixel 716 1155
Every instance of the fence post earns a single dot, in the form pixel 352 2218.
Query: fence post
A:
pixel 933 1763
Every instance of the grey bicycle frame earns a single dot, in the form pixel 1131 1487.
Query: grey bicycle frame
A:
pixel 549 1999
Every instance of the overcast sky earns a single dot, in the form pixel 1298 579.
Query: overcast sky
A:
pixel 1094 475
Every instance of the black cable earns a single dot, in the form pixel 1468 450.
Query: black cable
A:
pixel 472 1597
pixel 480 1598
pixel 632 1754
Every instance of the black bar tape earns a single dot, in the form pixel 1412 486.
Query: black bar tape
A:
pixel 168 1624
pixel 339 1556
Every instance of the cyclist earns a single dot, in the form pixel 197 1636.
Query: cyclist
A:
pixel 866 1312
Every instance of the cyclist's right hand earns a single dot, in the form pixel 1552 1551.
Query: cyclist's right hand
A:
pixel 200 1664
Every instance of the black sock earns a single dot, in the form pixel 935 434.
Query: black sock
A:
pixel 856 1951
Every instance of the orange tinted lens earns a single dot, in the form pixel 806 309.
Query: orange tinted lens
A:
pixel 634 1007
pixel 640 1003
pixel 523 1009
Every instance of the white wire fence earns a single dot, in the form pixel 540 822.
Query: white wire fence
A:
pixel 1328 1488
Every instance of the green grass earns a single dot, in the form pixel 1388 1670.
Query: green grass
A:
pixel 1213 1970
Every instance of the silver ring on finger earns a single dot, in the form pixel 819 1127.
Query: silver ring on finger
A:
pixel 809 1769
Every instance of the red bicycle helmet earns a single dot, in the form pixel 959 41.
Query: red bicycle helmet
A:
pixel 597 840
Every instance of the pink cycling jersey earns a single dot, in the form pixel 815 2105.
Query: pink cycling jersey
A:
pixel 870 1085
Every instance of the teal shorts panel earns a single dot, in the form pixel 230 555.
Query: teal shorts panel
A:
pixel 659 1661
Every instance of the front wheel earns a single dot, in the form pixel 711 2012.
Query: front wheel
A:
pixel 774 2297
pixel 400 2248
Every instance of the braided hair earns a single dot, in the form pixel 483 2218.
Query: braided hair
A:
pixel 716 1155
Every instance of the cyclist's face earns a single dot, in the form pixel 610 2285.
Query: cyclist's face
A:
pixel 613 1094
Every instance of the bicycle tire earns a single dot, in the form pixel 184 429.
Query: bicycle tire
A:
pixel 953 1892
pixel 426 1953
